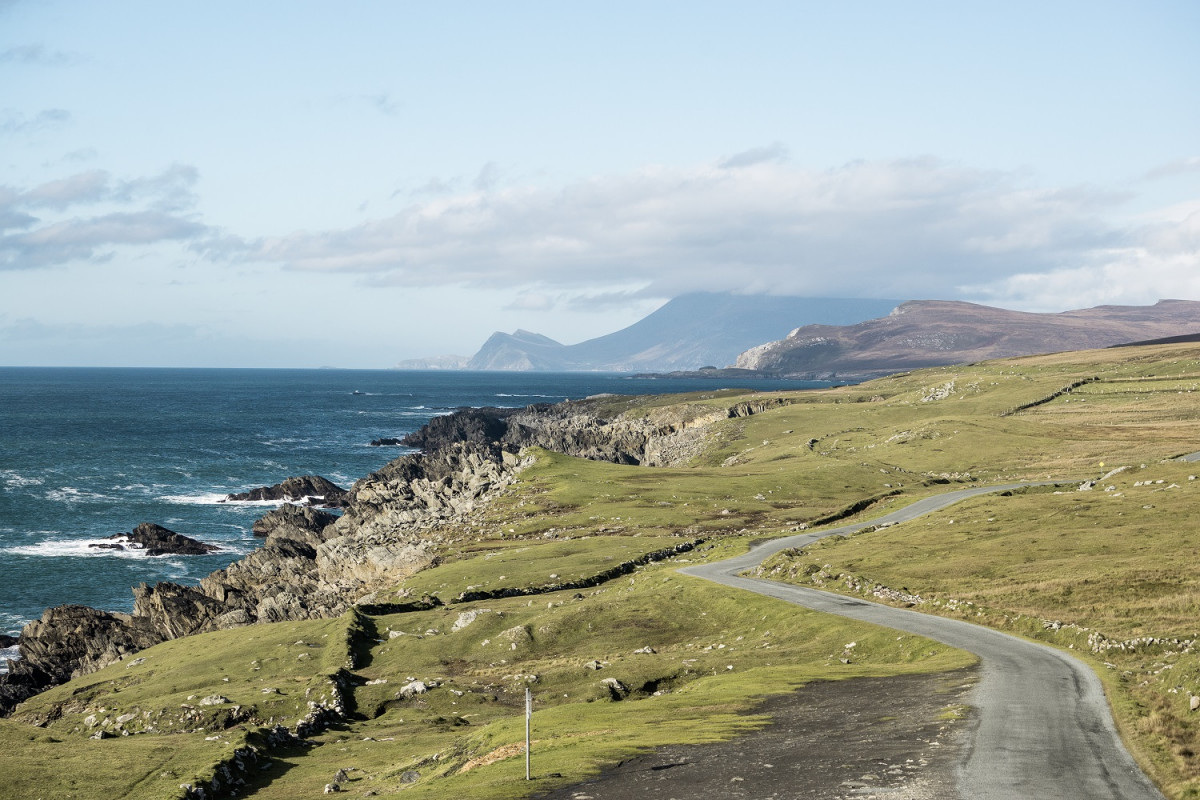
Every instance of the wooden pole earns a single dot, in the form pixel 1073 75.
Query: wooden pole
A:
pixel 528 715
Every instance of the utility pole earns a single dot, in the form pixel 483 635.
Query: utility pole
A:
pixel 528 716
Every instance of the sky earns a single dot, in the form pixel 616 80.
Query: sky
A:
pixel 302 184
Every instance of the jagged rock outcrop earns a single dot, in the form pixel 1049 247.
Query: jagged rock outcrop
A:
pixel 156 540
pixel 69 641
pixel 304 489
pixel 291 522
pixel 668 436
pixel 314 564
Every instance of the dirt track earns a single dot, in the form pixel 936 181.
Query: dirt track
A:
pixel 839 740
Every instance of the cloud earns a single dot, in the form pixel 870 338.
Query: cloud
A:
pixel 28 241
pixel 76 239
pixel 36 54
pixel 488 177
pixel 12 123
pixel 756 155
pixel 1161 260
pixel 383 103
pixel 900 228
pixel 1180 166
pixel 83 187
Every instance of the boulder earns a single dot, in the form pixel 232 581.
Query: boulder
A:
pixel 303 489
pixel 156 540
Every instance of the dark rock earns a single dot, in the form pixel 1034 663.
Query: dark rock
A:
pixel 386 441
pixel 6 640
pixel 307 488
pixel 156 540
pixel 289 519
pixel 475 425
pixel 174 610
pixel 295 531
pixel 69 641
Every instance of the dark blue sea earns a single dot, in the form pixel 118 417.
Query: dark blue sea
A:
pixel 88 453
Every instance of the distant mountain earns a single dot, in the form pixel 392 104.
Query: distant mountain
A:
pixel 689 332
pixel 928 333
pixel 435 362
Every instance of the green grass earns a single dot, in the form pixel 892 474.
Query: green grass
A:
pixel 716 653
pixel 1087 570
pixel 1098 571
pixel 491 565
pixel 39 765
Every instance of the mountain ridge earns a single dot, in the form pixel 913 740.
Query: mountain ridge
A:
pixel 689 332
pixel 930 333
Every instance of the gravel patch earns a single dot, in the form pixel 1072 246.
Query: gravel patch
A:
pixel 885 738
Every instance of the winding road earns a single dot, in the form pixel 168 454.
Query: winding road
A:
pixel 1043 729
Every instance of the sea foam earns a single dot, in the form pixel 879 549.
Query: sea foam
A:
pixel 215 499
pixel 76 548
pixel 5 654
pixel 15 480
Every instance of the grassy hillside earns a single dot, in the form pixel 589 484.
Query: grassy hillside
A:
pixel 1094 570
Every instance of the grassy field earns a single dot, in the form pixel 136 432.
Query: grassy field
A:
pixel 617 667
pixel 613 670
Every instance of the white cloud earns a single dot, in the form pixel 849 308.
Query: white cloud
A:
pixel 29 242
pixel 1162 261
pixel 903 228
pixel 1180 166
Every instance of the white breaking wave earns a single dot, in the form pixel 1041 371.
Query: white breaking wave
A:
pixel 11 623
pixel 15 480
pixel 214 499
pixel 5 654
pixel 546 396
pixel 69 494
pixel 220 499
pixel 82 548
pixel 205 499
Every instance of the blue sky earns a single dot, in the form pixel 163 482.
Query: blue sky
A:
pixel 352 184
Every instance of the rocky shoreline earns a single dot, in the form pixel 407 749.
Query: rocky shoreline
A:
pixel 315 564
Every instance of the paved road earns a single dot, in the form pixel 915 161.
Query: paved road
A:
pixel 1043 729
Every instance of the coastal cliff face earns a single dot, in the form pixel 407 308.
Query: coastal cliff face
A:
pixel 314 564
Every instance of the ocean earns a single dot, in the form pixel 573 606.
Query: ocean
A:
pixel 89 453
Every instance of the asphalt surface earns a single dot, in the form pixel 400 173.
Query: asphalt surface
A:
pixel 1042 724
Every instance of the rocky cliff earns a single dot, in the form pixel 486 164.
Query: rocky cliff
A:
pixel 314 564
pixel 929 333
